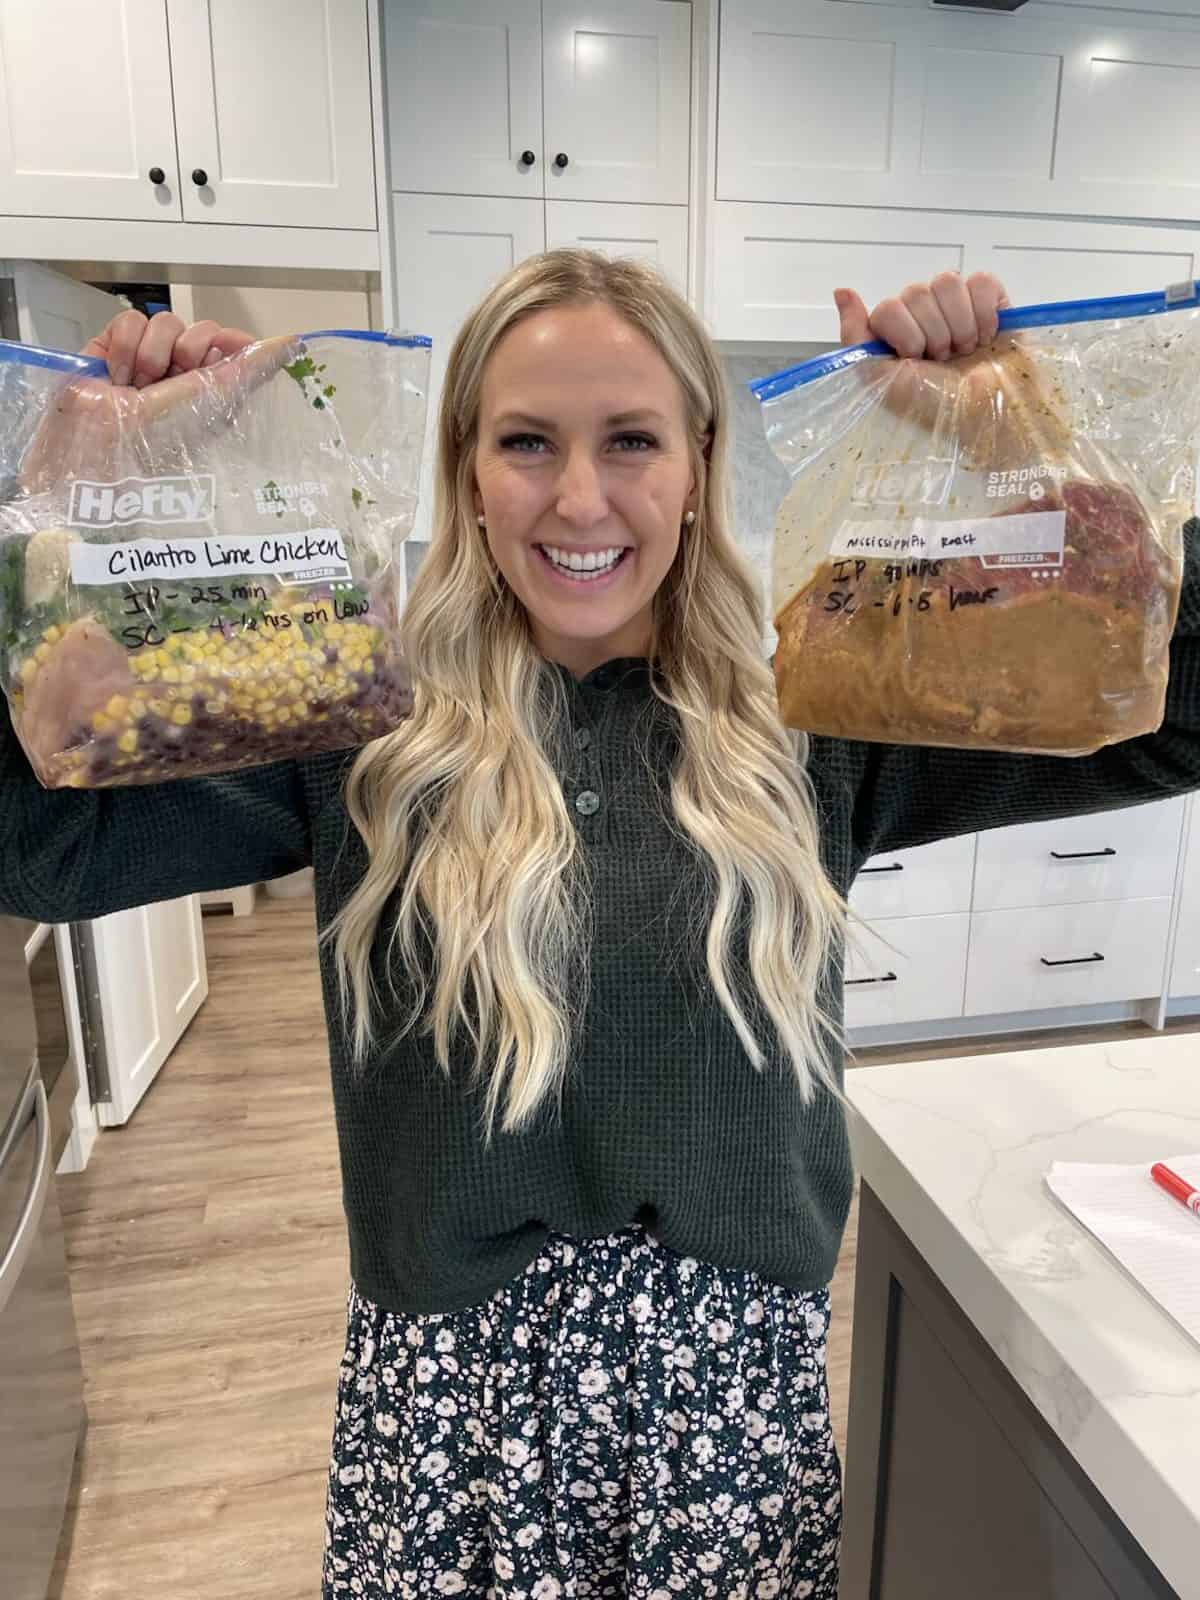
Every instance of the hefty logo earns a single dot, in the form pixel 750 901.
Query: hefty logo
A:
pixel 897 483
pixel 152 500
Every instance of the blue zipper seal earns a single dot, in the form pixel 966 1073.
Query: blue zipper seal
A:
pixel 403 341
pixel 1053 313
pixel 32 355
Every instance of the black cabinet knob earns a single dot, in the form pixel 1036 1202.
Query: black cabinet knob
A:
pixel 199 177
pixel 157 175
pixel 527 158
pixel 560 161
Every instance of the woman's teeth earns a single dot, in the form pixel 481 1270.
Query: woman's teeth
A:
pixel 592 565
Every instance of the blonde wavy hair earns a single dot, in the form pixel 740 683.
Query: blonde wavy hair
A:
pixel 473 855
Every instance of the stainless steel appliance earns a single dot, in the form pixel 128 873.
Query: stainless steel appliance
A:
pixel 42 1414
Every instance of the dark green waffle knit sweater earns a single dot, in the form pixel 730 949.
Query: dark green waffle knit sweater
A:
pixel 663 1119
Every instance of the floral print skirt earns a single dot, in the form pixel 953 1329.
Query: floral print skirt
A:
pixel 620 1420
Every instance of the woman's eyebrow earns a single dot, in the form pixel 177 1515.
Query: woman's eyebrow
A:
pixel 619 419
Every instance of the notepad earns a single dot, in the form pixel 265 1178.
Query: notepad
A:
pixel 1153 1237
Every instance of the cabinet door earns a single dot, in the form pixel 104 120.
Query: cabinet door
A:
pixel 464 95
pixel 1185 967
pixel 618 97
pixel 150 979
pixel 55 311
pixel 273 109
pixel 449 250
pixel 85 110
pixel 773 267
pixel 658 234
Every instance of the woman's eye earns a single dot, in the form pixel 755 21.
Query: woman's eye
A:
pixel 635 442
pixel 525 443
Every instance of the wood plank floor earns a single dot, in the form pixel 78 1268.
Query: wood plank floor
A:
pixel 209 1270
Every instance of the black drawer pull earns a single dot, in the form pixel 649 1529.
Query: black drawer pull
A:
pixel 1082 855
pixel 1074 961
pixel 896 866
pixel 888 977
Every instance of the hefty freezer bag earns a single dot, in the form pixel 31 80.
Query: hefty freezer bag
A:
pixel 202 577
pixel 987 552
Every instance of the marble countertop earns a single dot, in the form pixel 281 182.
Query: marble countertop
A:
pixel 957 1151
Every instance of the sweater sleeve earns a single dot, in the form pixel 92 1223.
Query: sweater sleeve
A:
pixel 905 795
pixel 71 854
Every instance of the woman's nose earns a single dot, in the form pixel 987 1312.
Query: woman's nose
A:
pixel 581 498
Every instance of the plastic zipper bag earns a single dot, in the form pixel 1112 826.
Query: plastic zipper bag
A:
pixel 202 576
pixel 987 552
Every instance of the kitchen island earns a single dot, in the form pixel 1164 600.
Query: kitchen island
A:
pixel 1024 1420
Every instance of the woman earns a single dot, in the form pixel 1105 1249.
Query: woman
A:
pixel 581 966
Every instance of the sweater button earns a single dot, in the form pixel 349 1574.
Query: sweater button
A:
pixel 587 803
pixel 583 738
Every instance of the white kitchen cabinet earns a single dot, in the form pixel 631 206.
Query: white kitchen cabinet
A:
pixel 1185 966
pixel 906 969
pixel 617 86
pixel 273 110
pixel 149 977
pixel 932 878
pixel 774 267
pixel 544 99
pixel 271 103
pixel 85 110
pixel 1113 855
pixel 658 234
pixel 464 88
pixel 449 250
pixel 55 311
pixel 1042 958
pixel 1051 110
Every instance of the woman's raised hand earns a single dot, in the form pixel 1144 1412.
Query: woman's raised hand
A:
pixel 142 350
pixel 949 316
pixel 159 367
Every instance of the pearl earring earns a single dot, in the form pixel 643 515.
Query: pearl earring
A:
pixel 481 519
pixel 690 518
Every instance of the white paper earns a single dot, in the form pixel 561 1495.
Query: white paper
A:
pixel 302 557
pixel 1033 538
pixel 1155 1239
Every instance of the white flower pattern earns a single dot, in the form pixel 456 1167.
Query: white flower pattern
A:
pixel 463 1463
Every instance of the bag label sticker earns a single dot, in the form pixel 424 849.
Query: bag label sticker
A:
pixel 1032 539
pixel 306 557
pixel 187 498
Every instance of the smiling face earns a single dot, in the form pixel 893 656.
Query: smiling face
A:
pixel 583 477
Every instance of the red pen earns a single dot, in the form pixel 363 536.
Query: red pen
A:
pixel 1178 1188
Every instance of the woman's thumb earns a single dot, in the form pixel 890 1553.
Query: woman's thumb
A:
pixel 855 319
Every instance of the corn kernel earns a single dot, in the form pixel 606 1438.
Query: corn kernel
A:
pixel 53 633
pixel 43 651
pixel 268 721
pixel 128 742
pixel 187 674
pixel 215 706
pixel 117 707
pixel 170 675
pixel 265 707
pixel 102 723
pixel 181 716
pixel 160 707
pixel 137 709
pixel 29 670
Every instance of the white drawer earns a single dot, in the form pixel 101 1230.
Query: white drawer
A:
pixel 1030 960
pixel 1115 855
pixel 916 883
pixel 907 969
